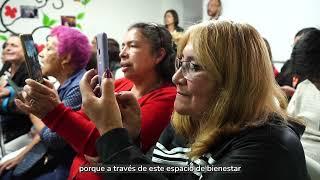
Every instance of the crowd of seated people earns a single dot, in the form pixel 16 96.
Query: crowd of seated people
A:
pixel 207 98
pixel 147 60
pixel 237 117
pixel 64 57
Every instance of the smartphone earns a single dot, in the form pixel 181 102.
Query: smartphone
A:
pixel 102 54
pixel 31 57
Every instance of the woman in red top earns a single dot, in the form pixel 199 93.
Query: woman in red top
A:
pixel 147 60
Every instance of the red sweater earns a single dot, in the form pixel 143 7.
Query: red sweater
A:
pixel 77 129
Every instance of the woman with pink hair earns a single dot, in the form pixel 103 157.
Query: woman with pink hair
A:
pixel 48 156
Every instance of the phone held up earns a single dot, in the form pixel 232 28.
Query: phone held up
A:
pixel 102 54
pixel 31 57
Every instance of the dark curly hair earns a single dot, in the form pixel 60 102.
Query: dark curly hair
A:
pixel 306 56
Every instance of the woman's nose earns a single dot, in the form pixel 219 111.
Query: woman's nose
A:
pixel 6 49
pixel 41 54
pixel 178 78
pixel 123 53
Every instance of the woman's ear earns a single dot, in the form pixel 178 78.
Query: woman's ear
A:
pixel 65 60
pixel 160 55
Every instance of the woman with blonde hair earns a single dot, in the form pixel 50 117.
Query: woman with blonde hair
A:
pixel 228 113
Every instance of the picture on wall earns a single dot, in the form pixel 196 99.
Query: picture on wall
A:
pixel 68 21
pixel 29 11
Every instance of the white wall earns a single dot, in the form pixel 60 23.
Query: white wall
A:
pixel 192 12
pixel 111 16
pixel 277 20
pixel 115 16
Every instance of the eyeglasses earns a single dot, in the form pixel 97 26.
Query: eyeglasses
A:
pixel 188 68
pixel 156 26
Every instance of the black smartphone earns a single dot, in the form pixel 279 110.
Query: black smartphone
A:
pixel 31 57
pixel 102 54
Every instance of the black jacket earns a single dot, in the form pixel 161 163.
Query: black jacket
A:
pixel 16 124
pixel 270 152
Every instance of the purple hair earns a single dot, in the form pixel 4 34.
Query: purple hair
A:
pixel 73 42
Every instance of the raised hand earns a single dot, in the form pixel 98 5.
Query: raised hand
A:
pixel 130 112
pixel 103 111
pixel 38 99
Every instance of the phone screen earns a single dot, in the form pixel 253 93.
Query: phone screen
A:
pixel 31 56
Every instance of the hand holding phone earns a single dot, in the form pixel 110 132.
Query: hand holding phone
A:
pixel 102 54
pixel 31 57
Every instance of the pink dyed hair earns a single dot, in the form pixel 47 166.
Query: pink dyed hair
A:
pixel 73 42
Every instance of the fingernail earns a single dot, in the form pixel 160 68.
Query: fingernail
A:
pixel 108 73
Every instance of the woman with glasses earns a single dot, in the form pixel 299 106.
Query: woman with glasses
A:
pixel 228 114
pixel 147 61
